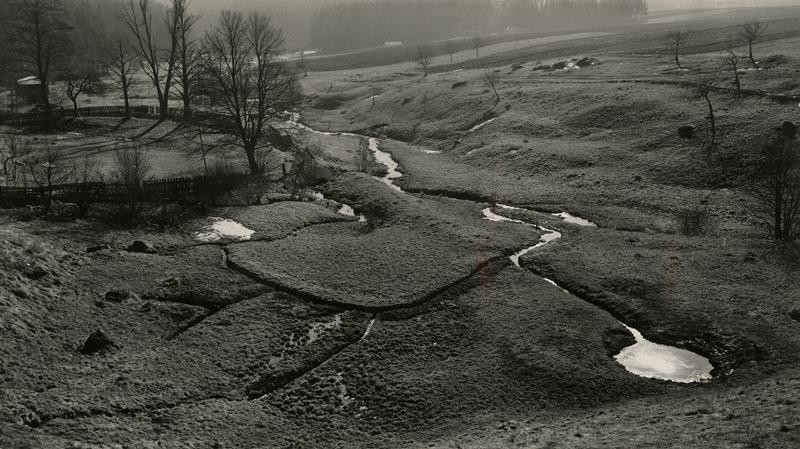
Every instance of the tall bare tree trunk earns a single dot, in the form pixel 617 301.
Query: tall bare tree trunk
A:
pixel 778 213
pixel 252 162
pixel 713 121
pixel 126 97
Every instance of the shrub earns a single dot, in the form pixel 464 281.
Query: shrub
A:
pixel 131 169
pixel 305 170
pixel 88 182
pixel 694 221
pixel 375 212
pixel 221 177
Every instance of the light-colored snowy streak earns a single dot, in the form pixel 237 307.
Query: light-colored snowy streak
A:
pixel 369 329
pixel 318 330
pixel 569 218
pixel 223 228
pixel 481 125
pixel 344 209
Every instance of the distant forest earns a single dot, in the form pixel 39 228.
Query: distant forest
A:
pixel 367 23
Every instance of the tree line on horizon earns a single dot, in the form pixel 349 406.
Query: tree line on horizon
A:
pixel 336 25
pixel 365 23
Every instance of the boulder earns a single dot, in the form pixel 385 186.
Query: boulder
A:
pixel 795 314
pixel 542 68
pixel 516 66
pixel 96 343
pixel 140 246
pixel 559 66
pixel 686 132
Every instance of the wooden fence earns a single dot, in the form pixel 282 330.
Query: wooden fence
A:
pixel 28 118
pixel 150 190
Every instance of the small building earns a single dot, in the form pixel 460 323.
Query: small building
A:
pixel 28 90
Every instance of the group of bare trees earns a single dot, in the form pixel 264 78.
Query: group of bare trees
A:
pixel 165 65
pixel 774 178
pixel 747 34
pixel 235 64
pixel 775 184
pixel 43 165
pixel 56 45
pixel 41 43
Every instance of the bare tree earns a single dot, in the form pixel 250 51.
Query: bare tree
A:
pixel 304 167
pixel 776 184
pixel 122 68
pixel 489 78
pixel 5 36
pixel 138 17
pixel 42 43
pixel 85 174
pixel 703 89
pixel 187 51
pixel 376 90
pixel 732 61
pixel 751 32
pixel 423 58
pixel 677 38
pixel 477 42
pixel 15 148
pixel 47 168
pixel 451 47
pixel 131 169
pixel 80 78
pixel 250 85
pixel 202 146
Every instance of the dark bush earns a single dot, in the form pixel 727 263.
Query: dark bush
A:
pixel 329 102
pixel 694 221
pixel 686 132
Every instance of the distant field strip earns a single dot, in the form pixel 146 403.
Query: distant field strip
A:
pixel 491 45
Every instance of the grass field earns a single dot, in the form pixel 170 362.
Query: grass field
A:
pixel 414 329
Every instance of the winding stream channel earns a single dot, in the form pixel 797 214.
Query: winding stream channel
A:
pixel 644 358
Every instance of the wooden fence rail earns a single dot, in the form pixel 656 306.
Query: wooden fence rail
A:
pixel 27 118
pixel 150 190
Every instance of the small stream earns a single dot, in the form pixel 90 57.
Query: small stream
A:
pixel 644 358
